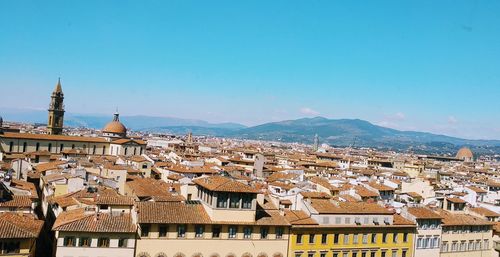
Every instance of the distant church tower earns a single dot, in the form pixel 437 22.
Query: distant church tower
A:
pixel 56 111
pixel 316 143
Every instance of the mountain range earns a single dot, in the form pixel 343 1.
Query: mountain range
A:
pixel 335 132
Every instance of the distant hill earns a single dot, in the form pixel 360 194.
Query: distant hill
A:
pixel 345 132
pixel 137 122
pixel 335 132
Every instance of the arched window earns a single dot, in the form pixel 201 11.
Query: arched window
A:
pixel 126 149
pixel 140 151
pixel 61 147
pixel 103 149
pixel 93 150
pixel 50 147
pixel 11 146
pixel 37 147
pixel 24 146
pixel 135 151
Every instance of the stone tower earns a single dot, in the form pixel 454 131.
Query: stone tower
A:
pixel 56 111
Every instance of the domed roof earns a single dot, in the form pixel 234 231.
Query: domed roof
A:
pixel 115 126
pixel 465 153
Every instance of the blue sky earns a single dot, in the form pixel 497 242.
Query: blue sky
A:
pixel 412 65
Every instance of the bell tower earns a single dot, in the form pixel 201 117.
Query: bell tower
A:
pixel 56 111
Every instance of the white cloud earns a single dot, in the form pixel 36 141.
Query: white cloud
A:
pixel 308 111
pixel 452 120
pixel 399 116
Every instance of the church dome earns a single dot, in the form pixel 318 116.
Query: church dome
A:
pixel 465 154
pixel 115 127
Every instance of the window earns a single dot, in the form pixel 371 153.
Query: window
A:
pixel 234 201
pixel 198 229
pixel 181 230
pixel 298 254
pixel 247 232
pixel 37 147
pixel 394 238
pixel 232 231
pixel 382 254
pixel 324 238
pixel 346 239
pixel 61 147
pixel 336 238
pixel 145 230
pixel 11 247
pixel 93 149
pixel 384 238
pixel 354 254
pixel 338 220
pixel 355 238
pixel 103 242
pixel 444 247
pixel 11 146
pixel 372 254
pixel 221 200
pixel 486 244
pixel 50 147
pixel 279 232
pixel 405 238
pixel 435 242
pixel 162 230
pixel 216 231
pixel 335 254
pixel 69 241
pixel 322 254
pixel 24 146
pixel 454 246
pixel 345 254
pixel 394 253
pixel 365 238
pixel 299 239
pixel 311 238
pixel 247 201
pixel 264 231
pixel 471 245
pixel 122 242
pixel 374 238
pixel 84 242
pixel 420 242
pixel 103 149
pixel 403 253
pixel 310 254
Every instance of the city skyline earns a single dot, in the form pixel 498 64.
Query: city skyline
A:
pixel 425 67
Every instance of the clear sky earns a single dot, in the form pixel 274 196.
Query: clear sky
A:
pixel 412 65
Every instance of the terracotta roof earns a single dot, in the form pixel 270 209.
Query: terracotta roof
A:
pixel 224 184
pixel 323 182
pixel 455 200
pixel 317 195
pixel 477 190
pixel 299 218
pixel 328 207
pixel 78 221
pixel 399 220
pixel 423 213
pixel 42 167
pixel 17 201
pixel 15 225
pixel 149 187
pixel 380 186
pixel 451 219
pixel 171 212
pixel 119 200
pixel 485 212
